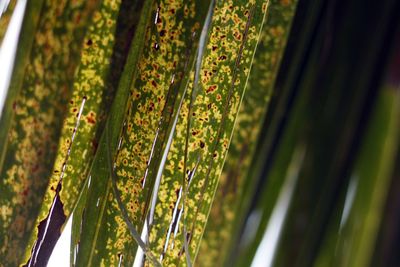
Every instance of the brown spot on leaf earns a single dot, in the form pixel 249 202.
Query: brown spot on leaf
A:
pixel 202 144
pixel 211 88
pixel 237 35
pixel 91 120
pixel 25 192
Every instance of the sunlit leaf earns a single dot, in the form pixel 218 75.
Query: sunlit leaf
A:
pixel 129 115
pixel 6 11
pixel 218 236
pixel 38 95
pixel 150 127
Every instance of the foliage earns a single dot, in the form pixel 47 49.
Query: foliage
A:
pixel 170 131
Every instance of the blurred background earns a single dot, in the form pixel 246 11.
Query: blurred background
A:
pixel 323 186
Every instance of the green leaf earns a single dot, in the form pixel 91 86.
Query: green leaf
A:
pixel 100 181
pixel 161 60
pixel 219 235
pixel 98 74
pixel 5 17
pixel 37 98
pixel 94 85
pixel 325 117
pixel 129 115
pixel 352 235
pixel 366 193
pixel 225 67
pixel 149 128
pixel 260 191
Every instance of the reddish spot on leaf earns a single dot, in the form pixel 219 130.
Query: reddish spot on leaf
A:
pixel 211 88
pixel 91 119
pixel 25 192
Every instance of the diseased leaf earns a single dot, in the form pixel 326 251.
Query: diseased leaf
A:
pixel 93 89
pixel 85 245
pixel 123 27
pixel 6 11
pixel 38 95
pixel 129 115
pixel 164 59
pixel 150 127
pixel 219 235
pixel 225 66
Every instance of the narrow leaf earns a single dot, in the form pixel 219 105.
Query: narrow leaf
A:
pixel 37 98
pixel 219 233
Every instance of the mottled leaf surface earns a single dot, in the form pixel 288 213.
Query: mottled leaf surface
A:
pixel 225 67
pixel 218 235
pixel 170 36
pixel 94 86
pixel 5 16
pixel 38 96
